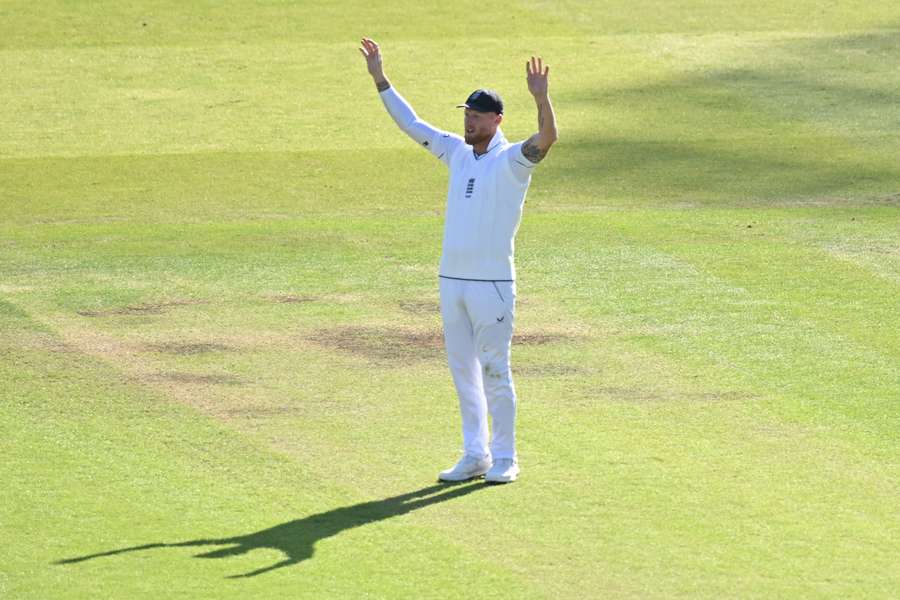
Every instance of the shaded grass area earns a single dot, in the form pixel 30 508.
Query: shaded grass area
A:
pixel 295 539
pixel 711 125
pixel 747 121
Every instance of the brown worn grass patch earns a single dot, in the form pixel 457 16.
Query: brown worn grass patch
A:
pixel 210 391
pixel 140 309
pixel 539 339
pixel 382 345
pixel 184 349
pixel 392 344
pixel 196 378
pixel 40 341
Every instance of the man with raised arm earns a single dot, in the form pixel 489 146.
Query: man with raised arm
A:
pixel 489 177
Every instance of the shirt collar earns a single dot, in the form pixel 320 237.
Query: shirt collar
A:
pixel 498 139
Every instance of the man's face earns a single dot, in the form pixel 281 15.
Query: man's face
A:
pixel 480 126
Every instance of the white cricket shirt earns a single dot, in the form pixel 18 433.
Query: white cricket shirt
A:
pixel 485 197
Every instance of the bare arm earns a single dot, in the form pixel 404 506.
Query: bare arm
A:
pixel 536 147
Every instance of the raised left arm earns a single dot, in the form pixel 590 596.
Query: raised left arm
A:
pixel 536 147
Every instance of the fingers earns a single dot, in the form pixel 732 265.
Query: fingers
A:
pixel 536 67
pixel 370 46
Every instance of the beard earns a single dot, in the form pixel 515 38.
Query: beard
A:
pixel 477 137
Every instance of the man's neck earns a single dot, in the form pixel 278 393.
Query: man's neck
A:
pixel 482 147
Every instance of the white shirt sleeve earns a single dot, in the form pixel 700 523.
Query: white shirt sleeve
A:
pixel 440 143
pixel 520 166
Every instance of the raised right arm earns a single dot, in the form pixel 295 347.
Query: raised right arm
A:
pixel 436 141
pixel 372 53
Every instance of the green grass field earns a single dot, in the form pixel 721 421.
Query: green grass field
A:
pixel 221 370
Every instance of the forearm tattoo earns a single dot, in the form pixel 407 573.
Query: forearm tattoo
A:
pixel 382 85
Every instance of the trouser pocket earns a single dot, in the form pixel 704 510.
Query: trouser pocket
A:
pixel 506 295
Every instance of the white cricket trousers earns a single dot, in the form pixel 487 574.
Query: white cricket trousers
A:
pixel 478 318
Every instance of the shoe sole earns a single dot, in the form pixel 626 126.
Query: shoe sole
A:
pixel 454 480
pixel 501 479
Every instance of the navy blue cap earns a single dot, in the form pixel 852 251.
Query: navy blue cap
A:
pixel 484 101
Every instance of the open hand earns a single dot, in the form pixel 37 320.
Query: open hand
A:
pixel 537 77
pixel 372 54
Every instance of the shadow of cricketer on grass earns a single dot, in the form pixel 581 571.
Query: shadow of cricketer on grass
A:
pixel 297 538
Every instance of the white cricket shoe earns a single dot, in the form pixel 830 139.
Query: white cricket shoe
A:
pixel 503 471
pixel 467 468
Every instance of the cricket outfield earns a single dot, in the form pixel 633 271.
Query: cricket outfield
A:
pixel 221 367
